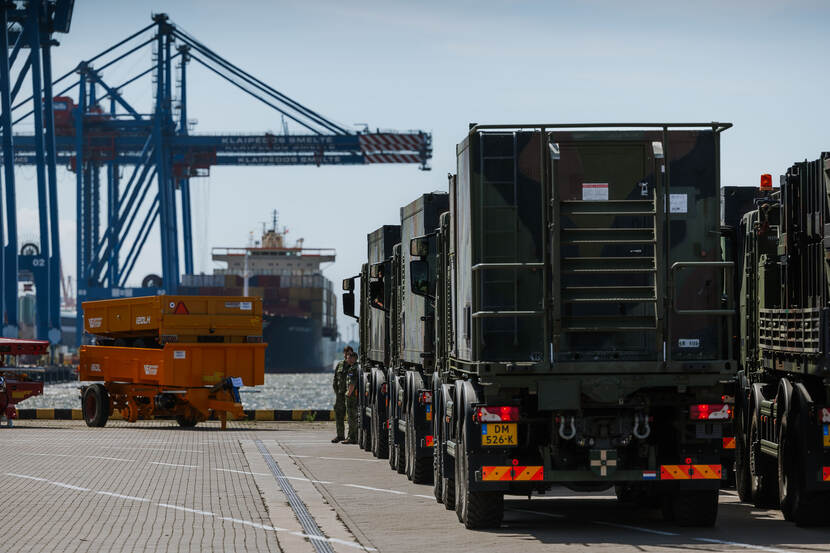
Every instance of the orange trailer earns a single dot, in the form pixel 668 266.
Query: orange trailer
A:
pixel 203 349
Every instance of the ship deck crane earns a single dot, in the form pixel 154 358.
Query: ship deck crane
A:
pixel 164 156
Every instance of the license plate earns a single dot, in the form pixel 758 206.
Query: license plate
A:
pixel 498 434
pixel 827 435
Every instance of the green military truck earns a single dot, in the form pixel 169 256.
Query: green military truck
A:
pixel 377 351
pixel 782 404
pixel 583 317
pixel 410 414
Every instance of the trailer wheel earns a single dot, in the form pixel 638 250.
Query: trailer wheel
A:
pixel 448 493
pixel 797 504
pixel 477 510
pixel 437 436
pixel 95 405
pixel 763 485
pixel 695 508
pixel 187 421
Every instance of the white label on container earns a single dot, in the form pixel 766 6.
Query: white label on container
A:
pixel 678 203
pixel 689 342
pixel 245 305
pixel 151 370
pixel 94 368
pixel 94 322
pixel 594 191
pixel 231 304
pixel 143 320
pixel 179 354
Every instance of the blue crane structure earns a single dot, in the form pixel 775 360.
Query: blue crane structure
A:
pixel 164 156
pixel 31 26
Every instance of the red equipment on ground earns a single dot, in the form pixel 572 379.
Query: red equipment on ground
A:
pixel 15 385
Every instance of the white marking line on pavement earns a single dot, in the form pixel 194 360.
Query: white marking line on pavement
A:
pixel 26 476
pixel 70 486
pixel 327 458
pixel 424 496
pixel 352 544
pixel 743 545
pixel 269 474
pixel 666 533
pixel 47 454
pixel 120 496
pixel 173 465
pixel 375 489
pixel 154 449
pixel 109 458
pixel 185 509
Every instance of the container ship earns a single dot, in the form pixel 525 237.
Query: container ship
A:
pixel 299 307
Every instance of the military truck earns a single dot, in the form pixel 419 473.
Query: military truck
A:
pixel 376 350
pixel 583 317
pixel 782 407
pixel 410 379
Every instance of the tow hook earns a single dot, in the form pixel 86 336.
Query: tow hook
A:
pixel 571 432
pixel 646 430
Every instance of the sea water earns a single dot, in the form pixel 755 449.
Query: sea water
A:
pixel 280 391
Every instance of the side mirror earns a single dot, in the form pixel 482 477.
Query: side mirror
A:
pixel 348 284
pixel 348 305
pixel 419 247
pixel 419 281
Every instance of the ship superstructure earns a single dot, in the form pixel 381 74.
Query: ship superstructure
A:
pixel 299 309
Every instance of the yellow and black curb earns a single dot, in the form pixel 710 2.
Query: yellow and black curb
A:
pixel 304 415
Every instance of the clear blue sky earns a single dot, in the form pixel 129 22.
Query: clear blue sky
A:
pixel 438 66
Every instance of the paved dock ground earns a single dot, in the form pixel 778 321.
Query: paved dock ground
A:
pixel 154 487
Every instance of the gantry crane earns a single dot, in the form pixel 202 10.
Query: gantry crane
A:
pixel 160 150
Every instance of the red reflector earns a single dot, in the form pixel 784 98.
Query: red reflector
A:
pixel 181 309
pixel 496 414
pixel 711 412
pixel 428 441
pixel 383 388
pixel 425 397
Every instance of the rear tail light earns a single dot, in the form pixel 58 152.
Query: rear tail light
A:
pixel 825 414
pixel 383 388
pixel 496 414
pixel 425 398
pixel 710 412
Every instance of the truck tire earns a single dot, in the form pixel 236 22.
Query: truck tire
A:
pixel 437 456
pixel 380 438
pixel 477 510
pixel 743 476
pixel 695 508
pixel 391 420
pixel 420 468
pixel 797 504
pixel 95 405
pixel 763 481
pixel 448 493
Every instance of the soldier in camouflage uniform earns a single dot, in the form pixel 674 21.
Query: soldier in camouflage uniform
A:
pixel 340 385
pixel 351 370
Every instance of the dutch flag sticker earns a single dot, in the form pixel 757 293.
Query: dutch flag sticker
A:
pixel 649 475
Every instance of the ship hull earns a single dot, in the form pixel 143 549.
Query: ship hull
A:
pixel 296 344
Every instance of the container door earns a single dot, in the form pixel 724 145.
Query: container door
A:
pixel 606 285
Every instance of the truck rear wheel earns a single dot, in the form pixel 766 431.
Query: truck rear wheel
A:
pixel 476 510
pixel 95 405
pixel 743 477
pixel 419 468
pixel 380 438
pixel 797 504
pixel 763 486
pixel 695 508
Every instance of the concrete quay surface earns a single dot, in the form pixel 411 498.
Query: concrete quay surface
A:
pixel 152 486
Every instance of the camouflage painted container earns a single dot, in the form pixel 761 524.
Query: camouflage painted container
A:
pixel 590 251
pixel 419 218
pixel 379 292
